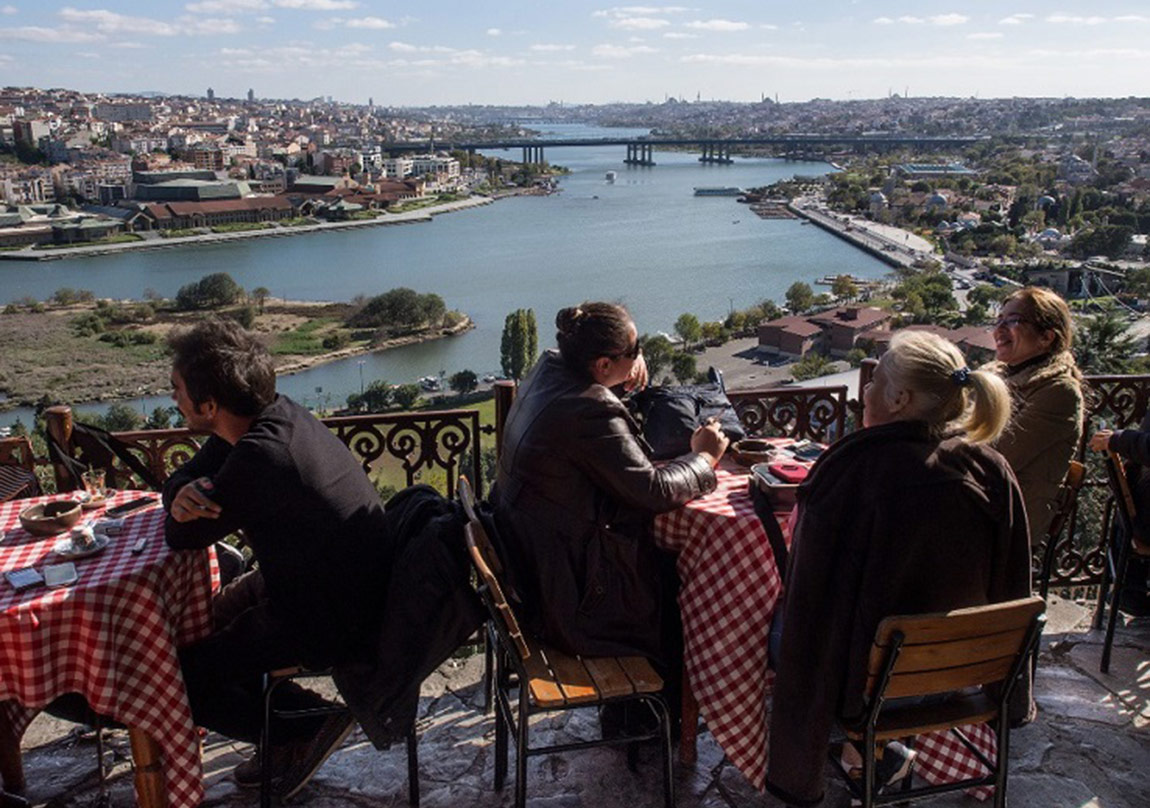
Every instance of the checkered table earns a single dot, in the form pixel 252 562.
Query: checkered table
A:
pixel 112 636
pixel 730 584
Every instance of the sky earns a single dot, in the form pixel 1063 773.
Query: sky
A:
pixel 514 52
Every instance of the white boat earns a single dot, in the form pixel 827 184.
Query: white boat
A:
pixel 429 383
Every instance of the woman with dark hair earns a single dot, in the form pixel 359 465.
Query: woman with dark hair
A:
pixel 1032 339
pixel 576 492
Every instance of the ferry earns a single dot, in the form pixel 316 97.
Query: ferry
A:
pixel 720 191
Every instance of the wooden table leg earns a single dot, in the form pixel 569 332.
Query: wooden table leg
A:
pixel 11 764
pixel 689 726
pixel 151 791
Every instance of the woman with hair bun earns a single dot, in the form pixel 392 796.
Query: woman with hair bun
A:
pixel 576 493
pixel 1032 341
pixel 912 513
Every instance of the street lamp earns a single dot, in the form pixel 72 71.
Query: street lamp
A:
pixel 361 363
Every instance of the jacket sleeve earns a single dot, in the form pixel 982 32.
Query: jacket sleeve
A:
pixel 1052 415
pixel 236 481
pixel 1132 444
pixel 607 450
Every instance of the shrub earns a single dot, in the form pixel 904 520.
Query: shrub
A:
pixel 336 341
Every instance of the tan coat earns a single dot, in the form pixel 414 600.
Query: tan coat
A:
pixel 1044 432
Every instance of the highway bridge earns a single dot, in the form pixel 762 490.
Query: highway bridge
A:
pixel 714 150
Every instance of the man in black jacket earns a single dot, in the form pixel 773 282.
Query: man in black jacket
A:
pixel 315 525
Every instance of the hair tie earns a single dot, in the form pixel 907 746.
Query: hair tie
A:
pixel 961 377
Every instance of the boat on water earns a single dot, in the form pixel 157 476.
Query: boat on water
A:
pixel 611 175
pixel 729 190
pixel 430 383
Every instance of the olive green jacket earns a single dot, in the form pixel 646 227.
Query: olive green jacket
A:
pixel 1043 433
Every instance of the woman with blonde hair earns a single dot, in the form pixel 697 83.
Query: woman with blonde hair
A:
pixel 1032 340
pixel 912 513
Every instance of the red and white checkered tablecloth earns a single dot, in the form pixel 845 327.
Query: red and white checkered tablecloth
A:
pixel 730 584
pixel 112 636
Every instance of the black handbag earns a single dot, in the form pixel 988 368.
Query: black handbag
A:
pixel 669 415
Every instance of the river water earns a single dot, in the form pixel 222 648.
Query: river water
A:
pixel 644 240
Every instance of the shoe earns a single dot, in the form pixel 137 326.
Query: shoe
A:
pixel 304 765
pixel 249 773
pixel 895 762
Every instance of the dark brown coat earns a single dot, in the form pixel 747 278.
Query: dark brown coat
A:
pixel 574 502
pixel 891 521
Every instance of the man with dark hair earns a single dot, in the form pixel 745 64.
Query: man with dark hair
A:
pixel 315 525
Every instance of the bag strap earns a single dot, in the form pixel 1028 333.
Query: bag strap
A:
pixel 778 543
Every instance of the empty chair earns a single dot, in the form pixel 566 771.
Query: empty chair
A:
pixel 1116 571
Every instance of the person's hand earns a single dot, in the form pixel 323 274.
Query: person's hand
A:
pixel 192 502
pixel 638 378
pixel 708 439
pixel 1100 441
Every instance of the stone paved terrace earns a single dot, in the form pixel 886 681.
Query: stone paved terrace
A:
pixel 1090 747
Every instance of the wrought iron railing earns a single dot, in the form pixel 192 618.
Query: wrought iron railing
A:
pixel 816 413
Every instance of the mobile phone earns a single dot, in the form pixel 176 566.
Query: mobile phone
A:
pixel 24 578
pixel 60 574
pixel 130 506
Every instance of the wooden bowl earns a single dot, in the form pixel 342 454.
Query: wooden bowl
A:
pixel 51 518
pixel 750 451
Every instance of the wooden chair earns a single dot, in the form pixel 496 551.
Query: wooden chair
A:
pixel 916 656
pixel 548 680
pixel 272 681
pixel 1064 506
pixel 17 469
pixel 1114 573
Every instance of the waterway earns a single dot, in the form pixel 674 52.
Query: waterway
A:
pixel 644 240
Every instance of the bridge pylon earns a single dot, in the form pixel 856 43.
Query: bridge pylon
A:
pixel 639 154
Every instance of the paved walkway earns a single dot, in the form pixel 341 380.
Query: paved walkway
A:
pixel 1089 747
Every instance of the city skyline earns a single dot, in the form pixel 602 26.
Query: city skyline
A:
pixel 575 52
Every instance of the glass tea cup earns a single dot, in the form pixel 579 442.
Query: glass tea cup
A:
pixel 94 483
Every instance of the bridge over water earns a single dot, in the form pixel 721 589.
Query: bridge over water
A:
pixel 639 150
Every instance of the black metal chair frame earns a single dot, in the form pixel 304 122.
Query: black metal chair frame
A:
pixel 866 790
pixel 272 681
pixel 1067 499
pixel 1114 572
pixel 511 676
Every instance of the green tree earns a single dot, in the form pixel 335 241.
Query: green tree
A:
pixel 1110 240
pixel 799 297
pixel 161 418
pixel 844 287
pixel 121 417
pixel 400 310
pixel 260 295
pixel 688 329
pixel 855 356
pixel 376 397
pixel 1102 344
pixel 684 367
pixel 519 345
pixel 406 395
pixel 464 382
pixel 657 353
pixel 209 292
pixel 811 366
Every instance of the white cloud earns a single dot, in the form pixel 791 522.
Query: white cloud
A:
pixel 9 10
pixel 679 35
pixel 620 52
pixel 1015 19
pixel 549 48
pixel 209 27
pixel 908 20
pixel 986 35
pixel 1132 18
pixel 317 5
pixel 402 47
pixel 632 11
pixel 33 33
pixel 494 31
pixel 109 22
pixel 937 19
pixel 1075 20
pixel 717 25
pixel 266 20
pixel 638 23
pixel 374 23
pixel 883 21
pixel 769 26
pixel 949 19
pixel 226 6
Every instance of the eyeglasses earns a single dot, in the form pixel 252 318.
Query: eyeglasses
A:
pixel 1010 321
pixel 631 353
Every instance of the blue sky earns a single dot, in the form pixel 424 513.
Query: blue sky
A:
pixel 408 53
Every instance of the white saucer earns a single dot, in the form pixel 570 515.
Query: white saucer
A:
pixel 66 550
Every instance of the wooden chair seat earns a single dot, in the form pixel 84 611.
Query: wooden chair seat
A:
pixel 896 722
pixel 558 680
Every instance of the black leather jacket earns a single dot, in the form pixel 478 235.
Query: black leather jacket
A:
pixel 574 501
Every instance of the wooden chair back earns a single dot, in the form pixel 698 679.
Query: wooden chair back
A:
pixel 1067 497
pixel 949 651
pixel 485 561
pixel 17 451
pixel 1124 501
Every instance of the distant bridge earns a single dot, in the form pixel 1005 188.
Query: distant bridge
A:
pixel 715 150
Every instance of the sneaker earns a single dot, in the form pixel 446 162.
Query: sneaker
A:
pixel 304 765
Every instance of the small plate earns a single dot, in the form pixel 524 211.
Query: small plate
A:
pixel 66 550
pixel 90 503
